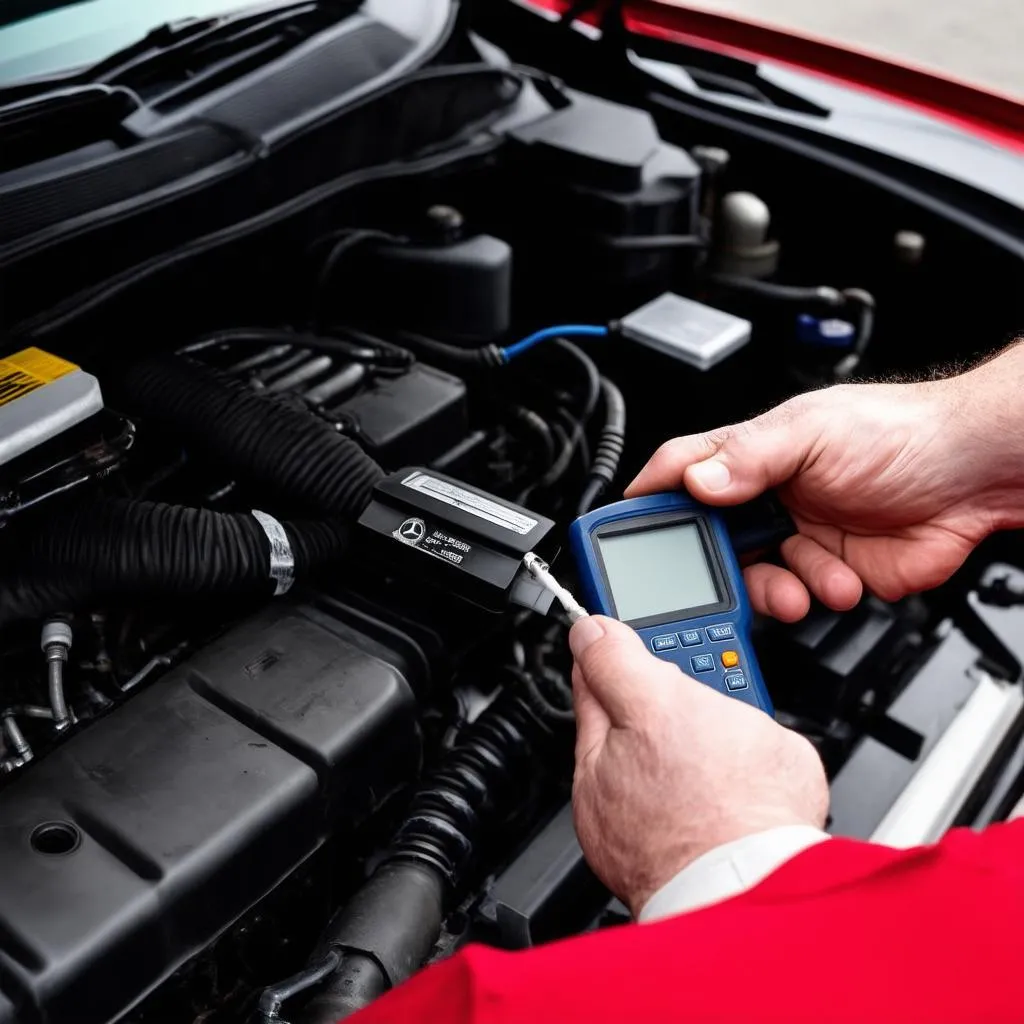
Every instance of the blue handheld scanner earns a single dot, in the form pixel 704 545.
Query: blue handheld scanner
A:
pixel 665 566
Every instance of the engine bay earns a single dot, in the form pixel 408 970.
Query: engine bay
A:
pixel 239 740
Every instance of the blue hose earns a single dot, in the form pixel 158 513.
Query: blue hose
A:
pixel 563 331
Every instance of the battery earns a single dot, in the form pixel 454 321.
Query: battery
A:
pixel 41 396
pixel 686 330
pixel 436 530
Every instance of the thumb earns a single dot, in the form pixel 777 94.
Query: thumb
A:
pixel 731 465
pixel 616 668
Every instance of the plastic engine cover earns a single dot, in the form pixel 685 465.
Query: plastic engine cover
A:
pixel 129 848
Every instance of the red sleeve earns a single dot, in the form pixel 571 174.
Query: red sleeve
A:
pixel 845 931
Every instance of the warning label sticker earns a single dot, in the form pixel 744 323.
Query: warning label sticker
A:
pixel 474 504
pixel 28 370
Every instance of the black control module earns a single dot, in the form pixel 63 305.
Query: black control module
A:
pixel 443 533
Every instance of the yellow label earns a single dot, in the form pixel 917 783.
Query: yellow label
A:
pixel 28 370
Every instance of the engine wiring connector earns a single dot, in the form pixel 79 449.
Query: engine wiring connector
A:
pixel 539 570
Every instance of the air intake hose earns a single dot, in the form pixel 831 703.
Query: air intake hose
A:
pixel 301 460
pixel 120 549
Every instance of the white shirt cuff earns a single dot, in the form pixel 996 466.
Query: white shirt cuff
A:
pixel 729 870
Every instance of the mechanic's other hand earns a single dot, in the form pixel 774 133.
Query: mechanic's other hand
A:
pixel 890 485
pixel 667 768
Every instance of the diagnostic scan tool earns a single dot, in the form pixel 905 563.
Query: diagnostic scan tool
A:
pixel 664 565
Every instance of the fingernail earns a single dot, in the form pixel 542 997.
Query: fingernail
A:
pixel 712 475
pixel 583 634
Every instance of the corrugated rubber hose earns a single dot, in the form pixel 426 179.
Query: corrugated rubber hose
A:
pixel 297 458
pixel 118 549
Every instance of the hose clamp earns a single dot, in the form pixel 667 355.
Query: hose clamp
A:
pixel 282 561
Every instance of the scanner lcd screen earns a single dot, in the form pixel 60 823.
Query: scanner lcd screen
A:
pixel 658 571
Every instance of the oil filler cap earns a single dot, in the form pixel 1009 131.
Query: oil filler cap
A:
pixel 439 532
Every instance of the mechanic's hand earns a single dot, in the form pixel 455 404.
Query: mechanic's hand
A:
pixel 890 485
pixel 668 769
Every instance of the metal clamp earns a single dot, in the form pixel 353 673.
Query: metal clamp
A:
pixel 282 560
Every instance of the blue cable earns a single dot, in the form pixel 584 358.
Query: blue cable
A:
pixel 564 331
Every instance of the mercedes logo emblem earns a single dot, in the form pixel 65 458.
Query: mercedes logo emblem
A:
pixel 412 530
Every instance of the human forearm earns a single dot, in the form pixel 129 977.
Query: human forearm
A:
pixel 986 429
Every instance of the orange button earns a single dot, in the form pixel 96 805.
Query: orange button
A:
pixel 730 659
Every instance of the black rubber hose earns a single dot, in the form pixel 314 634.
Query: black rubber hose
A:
pixel 822 295
pixel 539 430
pixel 273 998
pixel 342 245
pixel 571 438
pixel 121 549
pixel 609 449
pixel 485 765
pixel 487 357
pixel 299 458
pixel 385 932
pixel 865 303
pixel 388 928
pixel 362 349
pixel 591 377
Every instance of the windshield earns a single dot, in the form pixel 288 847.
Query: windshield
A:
pixel 63 38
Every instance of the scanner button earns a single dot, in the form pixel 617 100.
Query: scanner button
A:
pixel 736 681
pixel 730 659
pixel 664 643
pixel 722 632
pixel 691 638
pixel 703 663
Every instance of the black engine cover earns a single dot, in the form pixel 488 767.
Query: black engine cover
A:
pixel 133 845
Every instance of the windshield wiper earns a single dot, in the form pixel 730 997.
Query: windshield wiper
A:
pixel 249 33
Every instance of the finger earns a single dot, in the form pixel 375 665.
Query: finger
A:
pixel 665 468
pixel 830 579
pixel 617 669
pixel 734 464
pixel 592 722
pixel 776 592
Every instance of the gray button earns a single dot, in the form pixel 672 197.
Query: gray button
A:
pixel 703 663
pixel 724 631
pixel 664 643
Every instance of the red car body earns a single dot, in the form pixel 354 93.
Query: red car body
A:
pixel 986 113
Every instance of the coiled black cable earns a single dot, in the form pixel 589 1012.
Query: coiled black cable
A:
pixel 609 449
